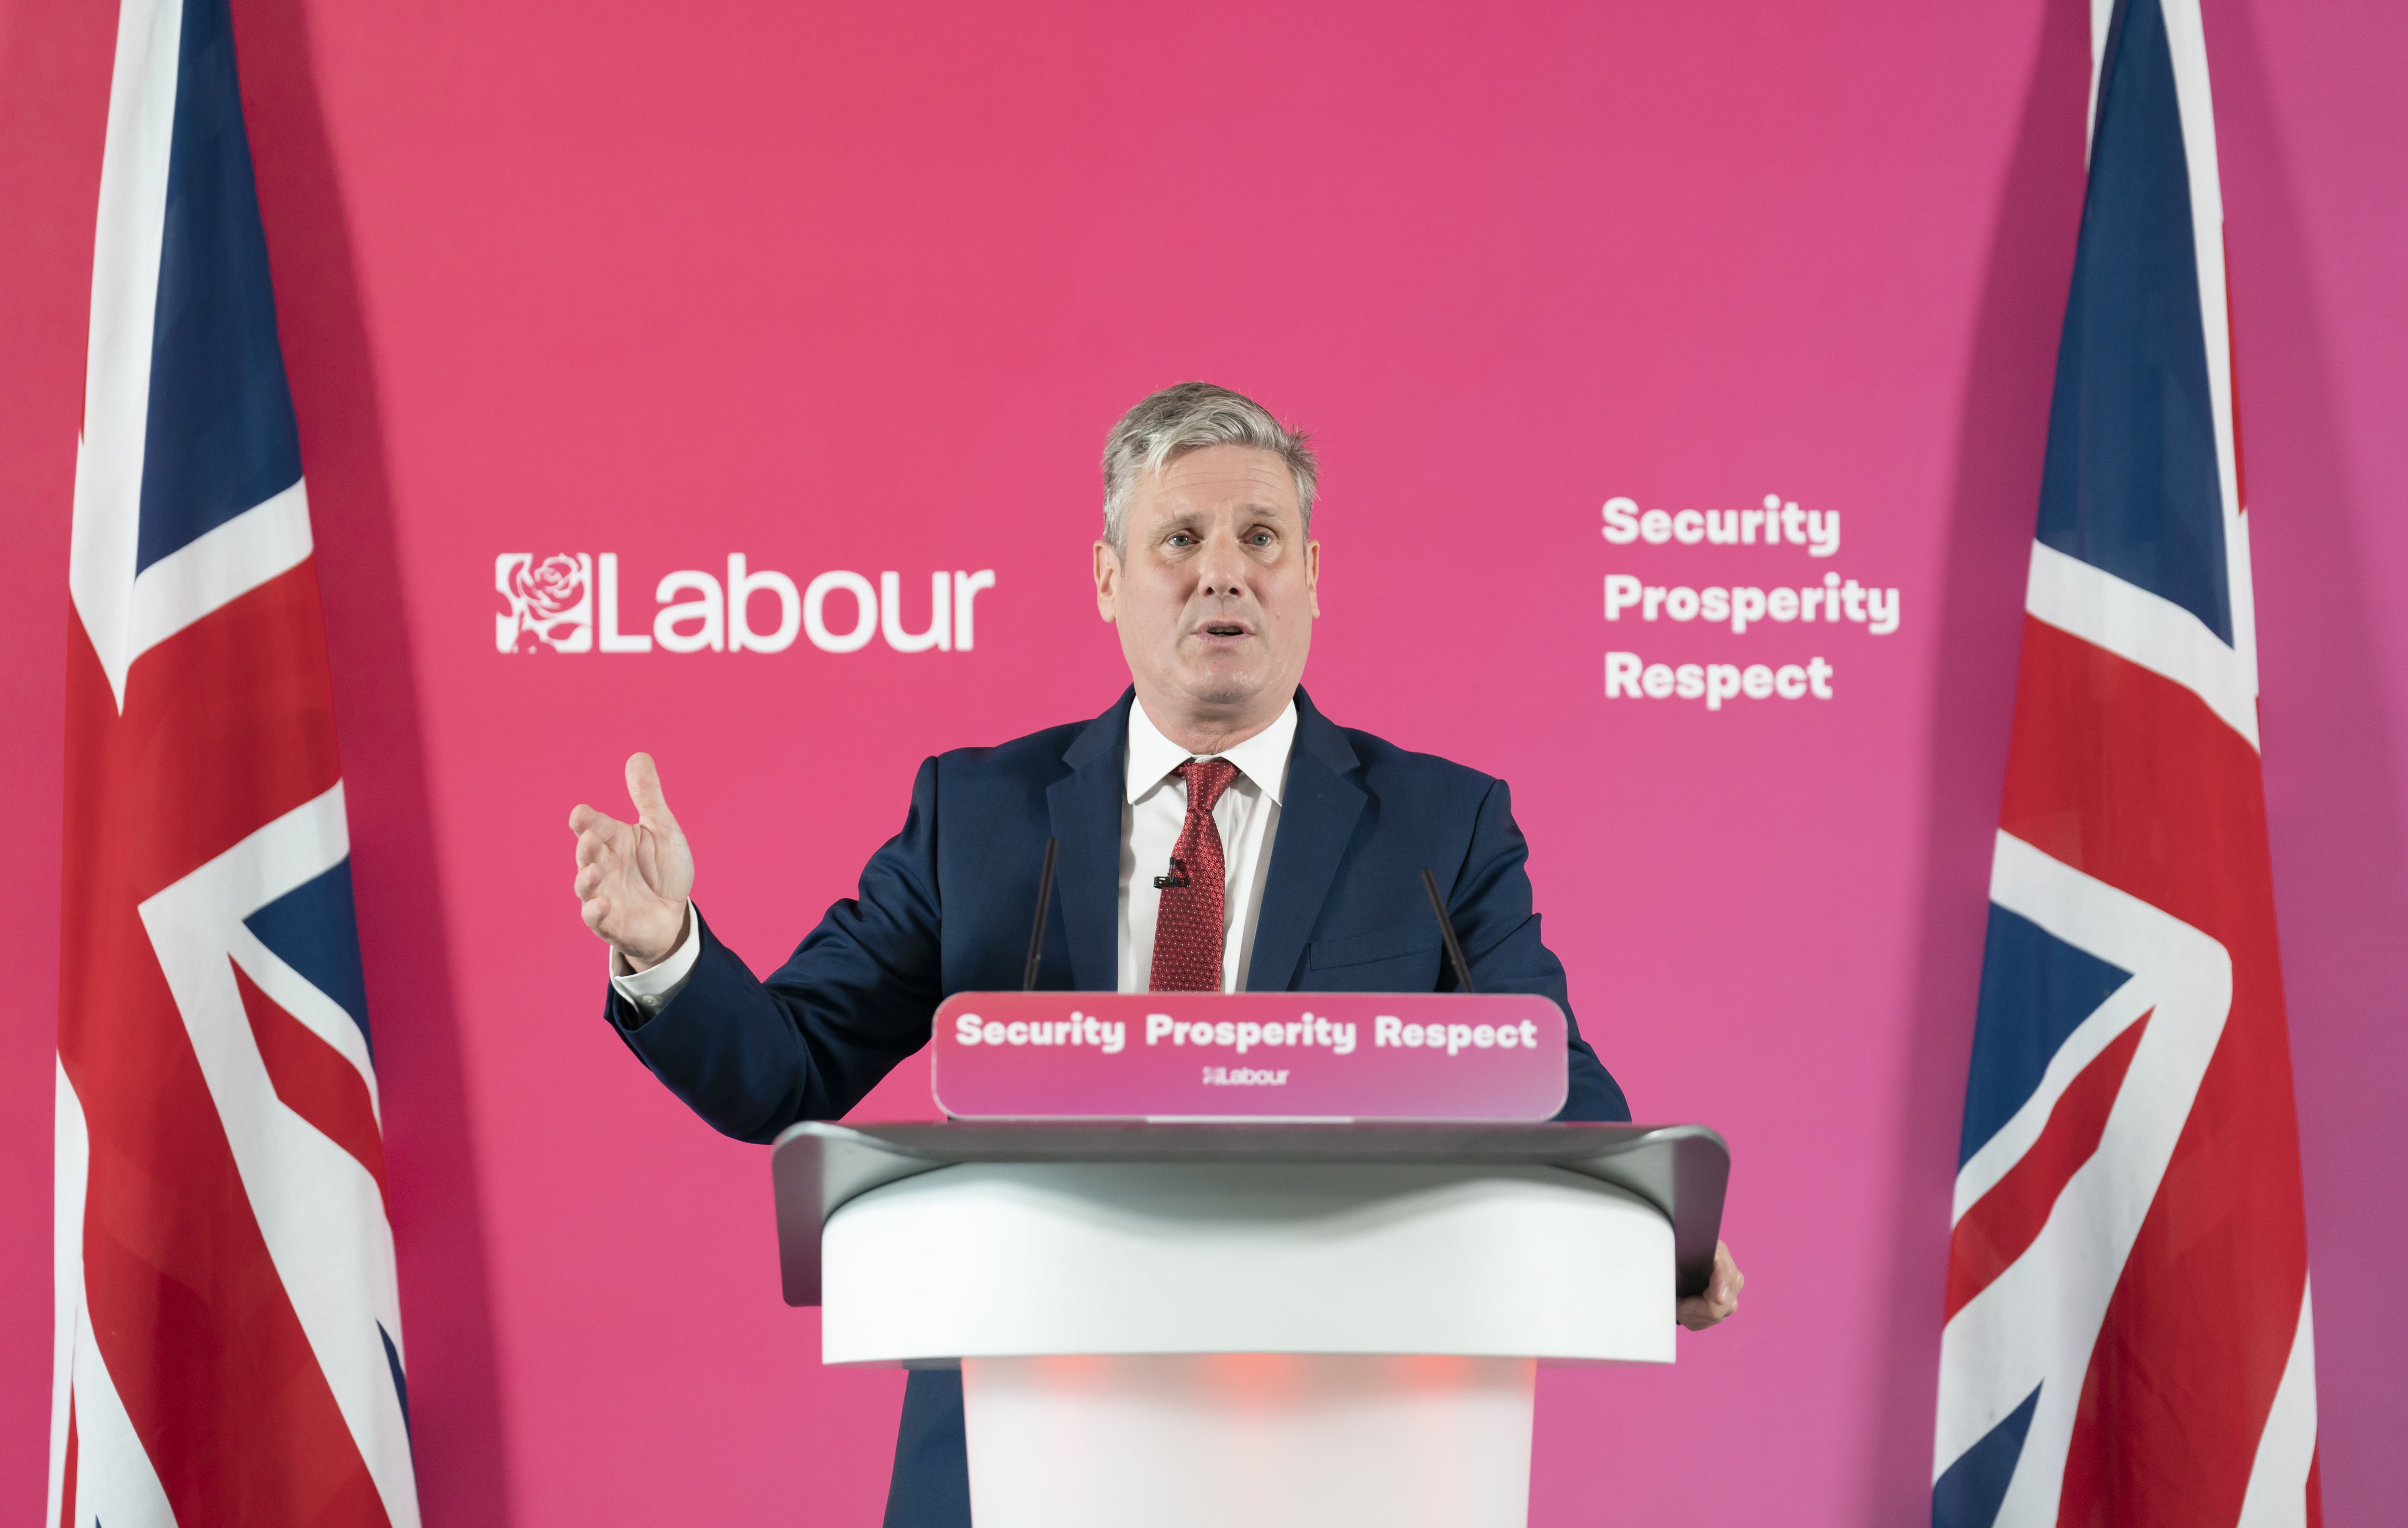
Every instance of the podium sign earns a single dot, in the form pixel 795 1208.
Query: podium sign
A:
pixel 1327 1056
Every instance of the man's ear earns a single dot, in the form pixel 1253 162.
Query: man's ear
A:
pixel 1312 577
pixel 1108 582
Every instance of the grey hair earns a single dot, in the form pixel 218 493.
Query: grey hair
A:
pixel 1190 417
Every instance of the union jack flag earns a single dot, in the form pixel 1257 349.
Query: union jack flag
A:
pixel 2128 1338
pixel 229 1345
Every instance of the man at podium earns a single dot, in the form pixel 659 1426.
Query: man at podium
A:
pixel 1217 833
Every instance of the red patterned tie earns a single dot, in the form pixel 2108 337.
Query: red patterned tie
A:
pixel 1188 926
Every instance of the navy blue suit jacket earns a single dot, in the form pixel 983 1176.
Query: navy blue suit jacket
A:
pixel 945 907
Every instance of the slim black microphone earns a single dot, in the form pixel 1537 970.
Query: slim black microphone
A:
pixel 1446 932
pixel 1037 930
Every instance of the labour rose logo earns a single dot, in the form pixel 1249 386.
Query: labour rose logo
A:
pixel 551 602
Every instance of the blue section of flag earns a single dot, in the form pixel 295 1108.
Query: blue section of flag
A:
pixel 1968 1492
pixel 2130 483
pixel 220 438
pixel 312 929
pixel 400 1381
pixel 2036 990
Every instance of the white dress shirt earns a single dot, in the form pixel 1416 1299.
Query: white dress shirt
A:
pixel 1153 809
pixel 1247 815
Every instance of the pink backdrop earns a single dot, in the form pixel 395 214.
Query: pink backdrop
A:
pixel 861 287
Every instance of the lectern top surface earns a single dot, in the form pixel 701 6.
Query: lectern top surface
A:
pixel 817 1166
pixel 1260 1140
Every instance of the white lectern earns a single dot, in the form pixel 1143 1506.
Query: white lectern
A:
pixel 1266 1324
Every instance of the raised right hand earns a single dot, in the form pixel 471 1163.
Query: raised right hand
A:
pixel 633 877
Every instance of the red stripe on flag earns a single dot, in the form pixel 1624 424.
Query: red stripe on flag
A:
pixel 189 1314
pixel 314 1079
pixel 2129 778
pixel 2004 1224
pixel 228 725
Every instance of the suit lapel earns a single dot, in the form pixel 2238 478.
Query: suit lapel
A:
pixel 1086 809
pixel 1315 824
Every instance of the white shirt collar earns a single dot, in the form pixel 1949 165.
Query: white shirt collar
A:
pixel 1262 758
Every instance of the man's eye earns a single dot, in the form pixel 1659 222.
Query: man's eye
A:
pixel 1262 539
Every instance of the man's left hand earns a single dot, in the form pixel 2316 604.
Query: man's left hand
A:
pixel 1700 1312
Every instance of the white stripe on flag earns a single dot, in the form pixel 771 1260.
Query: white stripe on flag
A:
pixel 221 563
pixel 2103 15
pixel 71 1162
pixel 2145 628
pixel 2187 41
pixel 124 303
pixel 1998 1155
pixel 318 1209
pixel 115 1485
pixel 2278 1482
pixel 2187 46
pixel 2038 1324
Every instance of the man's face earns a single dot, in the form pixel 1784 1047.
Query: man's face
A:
pixel 1215 590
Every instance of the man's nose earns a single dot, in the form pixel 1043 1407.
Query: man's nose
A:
pixel 1221 572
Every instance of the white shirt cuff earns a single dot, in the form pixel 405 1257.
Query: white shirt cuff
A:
pixel 650 989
